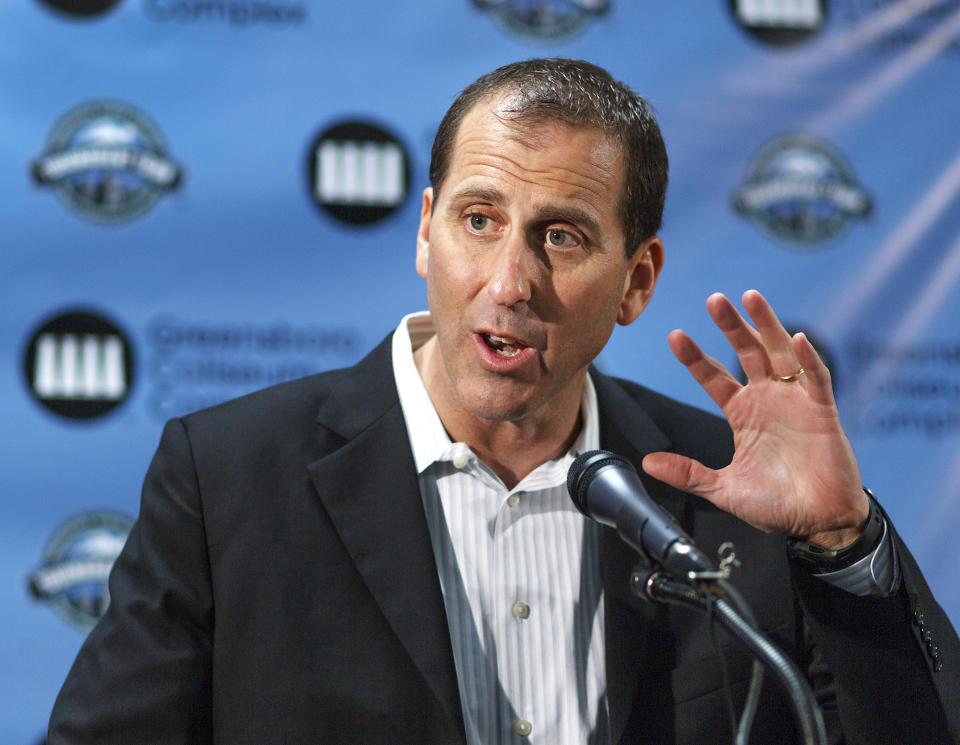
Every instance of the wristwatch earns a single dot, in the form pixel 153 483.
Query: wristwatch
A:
pixel 823 560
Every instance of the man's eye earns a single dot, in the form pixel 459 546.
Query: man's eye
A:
pixel 557 238
pixel 479 222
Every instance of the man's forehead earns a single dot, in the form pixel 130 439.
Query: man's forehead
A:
pixel 581 163
pixel 533 128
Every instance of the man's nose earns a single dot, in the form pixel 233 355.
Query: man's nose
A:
pixel 510 281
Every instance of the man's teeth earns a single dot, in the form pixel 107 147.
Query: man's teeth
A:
pixel 503 346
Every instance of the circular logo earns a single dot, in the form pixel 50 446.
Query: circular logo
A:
pixel 107 162
pixel 543 19
pixel 82 8
pixel 359 172
pixel 76 565
pixel 801 190
pixel 79 365
pixel 781 23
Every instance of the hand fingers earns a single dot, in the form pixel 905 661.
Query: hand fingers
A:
pixel 776 340
pixel 685 474
pixel 719 384
pixel 744 339
pixel 819 382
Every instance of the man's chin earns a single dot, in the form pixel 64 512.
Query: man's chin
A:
pixel 498 406
pixel 501 413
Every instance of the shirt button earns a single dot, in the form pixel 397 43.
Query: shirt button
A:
pixel 522 727
pixel 513 500
pixel 520 610
pixel 460 460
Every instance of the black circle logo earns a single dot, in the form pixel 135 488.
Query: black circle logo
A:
pixel 359 172
pixel 81 8
pixel 780 23
pixel 79 365
pixel 76 565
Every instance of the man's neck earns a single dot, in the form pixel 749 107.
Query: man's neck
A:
pixel 513 451
pixel 513 448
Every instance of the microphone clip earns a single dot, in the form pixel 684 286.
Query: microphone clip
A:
pixel 651 582
pixel 726 560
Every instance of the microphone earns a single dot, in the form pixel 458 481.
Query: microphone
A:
pixel 605 487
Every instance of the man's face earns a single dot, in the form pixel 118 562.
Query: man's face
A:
pixel 526 270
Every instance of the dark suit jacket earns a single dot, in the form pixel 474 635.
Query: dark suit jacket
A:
pixel 279 587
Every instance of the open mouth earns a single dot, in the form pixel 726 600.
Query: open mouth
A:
pixel 503 345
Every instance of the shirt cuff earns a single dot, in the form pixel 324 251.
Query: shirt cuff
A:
pixel 878 573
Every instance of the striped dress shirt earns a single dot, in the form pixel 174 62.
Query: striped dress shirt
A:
pixel 519 574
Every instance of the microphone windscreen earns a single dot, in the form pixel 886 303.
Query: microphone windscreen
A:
pixel 582 471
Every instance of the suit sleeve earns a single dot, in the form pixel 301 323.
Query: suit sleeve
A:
pixel 144 673
pixel 895 661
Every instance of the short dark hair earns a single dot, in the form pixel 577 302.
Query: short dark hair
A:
pixel 582 95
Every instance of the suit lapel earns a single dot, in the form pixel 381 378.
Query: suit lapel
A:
pixel 627 430
pixel 370 491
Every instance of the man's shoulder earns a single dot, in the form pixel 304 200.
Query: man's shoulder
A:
pixel 298 403
pixel 301 394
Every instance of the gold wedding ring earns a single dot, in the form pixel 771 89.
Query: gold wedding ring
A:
pixel 792 376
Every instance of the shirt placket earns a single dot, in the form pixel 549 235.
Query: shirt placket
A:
pixel 495 601
pixel 513 617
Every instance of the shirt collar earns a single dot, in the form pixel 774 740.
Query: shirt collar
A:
pixel 429 441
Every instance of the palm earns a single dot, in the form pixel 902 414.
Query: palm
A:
pixel 793 470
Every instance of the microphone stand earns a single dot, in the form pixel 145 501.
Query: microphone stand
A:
pixel 710 593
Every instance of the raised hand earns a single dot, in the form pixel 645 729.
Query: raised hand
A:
pixel 793 471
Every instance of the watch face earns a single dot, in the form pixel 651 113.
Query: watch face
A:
pixel 824 560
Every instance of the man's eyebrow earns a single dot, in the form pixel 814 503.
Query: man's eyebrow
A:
pixel 478 194
pixel 573 215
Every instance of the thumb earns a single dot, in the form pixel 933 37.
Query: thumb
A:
pixel 681 472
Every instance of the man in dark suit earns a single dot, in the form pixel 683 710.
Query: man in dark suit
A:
pixel 332 560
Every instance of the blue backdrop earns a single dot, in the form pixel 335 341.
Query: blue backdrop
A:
pixel 201 198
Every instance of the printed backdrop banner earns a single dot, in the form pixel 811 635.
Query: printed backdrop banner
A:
pixel 201 198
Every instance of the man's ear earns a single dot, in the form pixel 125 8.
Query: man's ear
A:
pixel 423 233
pixel 642 272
